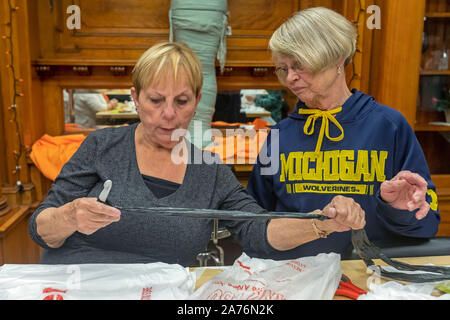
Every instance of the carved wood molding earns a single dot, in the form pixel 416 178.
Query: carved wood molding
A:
pixel 227 71
pixel 3 203
pixel 4 208
pixel 65 68
pixel 44 70
pixel 118 70
pixel 82 70
pixel 14 196
pixel 260 71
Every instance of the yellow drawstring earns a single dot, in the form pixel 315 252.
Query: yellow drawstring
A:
pixel 324 129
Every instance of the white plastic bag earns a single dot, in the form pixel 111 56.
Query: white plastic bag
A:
pixel 263 279
pixel 392 290
pixel 96 282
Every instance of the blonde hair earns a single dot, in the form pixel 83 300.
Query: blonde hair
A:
pixel 316 38
pixel 163 58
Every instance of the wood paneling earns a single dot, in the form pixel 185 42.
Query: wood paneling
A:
pixel 2 141
pixel 116 38
pixel 108 29
pixel 395 64
pixel 438 158
pixel 253 23
pixel 437 6
pixel 443 192
pixel 107 35
pixel 15 244
pixel 25 116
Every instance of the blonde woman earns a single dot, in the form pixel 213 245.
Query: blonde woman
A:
pixel 341 142
pixel 73 227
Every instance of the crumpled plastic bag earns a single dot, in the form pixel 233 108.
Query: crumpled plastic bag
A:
pixel 152 281
pixel 392 290
pixel 312 278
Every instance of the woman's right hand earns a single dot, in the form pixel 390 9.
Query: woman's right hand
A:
pixel 345 213
pixel 90 215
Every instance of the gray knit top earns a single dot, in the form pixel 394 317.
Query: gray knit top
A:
pixel 144 237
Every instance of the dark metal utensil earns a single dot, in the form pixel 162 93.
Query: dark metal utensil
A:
pixel 368 251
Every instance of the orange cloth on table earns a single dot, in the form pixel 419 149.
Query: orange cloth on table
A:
pixel 238 149
pixel 49 154
pixel 225 124
pixel 76 128
pixel 258 123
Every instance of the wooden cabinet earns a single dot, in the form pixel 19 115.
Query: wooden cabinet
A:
pixel 396 79
pixel 15 244
pixel 434 86
pixel 112 32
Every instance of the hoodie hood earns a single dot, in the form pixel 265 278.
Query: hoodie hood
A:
pixel 357 106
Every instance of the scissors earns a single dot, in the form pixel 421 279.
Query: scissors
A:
pixel 347 289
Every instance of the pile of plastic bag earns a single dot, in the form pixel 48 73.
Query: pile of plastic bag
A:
pixel 305 278
pixel 308 278
pixel 153 281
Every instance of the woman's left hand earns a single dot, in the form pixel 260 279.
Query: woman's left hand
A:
pixel 406 191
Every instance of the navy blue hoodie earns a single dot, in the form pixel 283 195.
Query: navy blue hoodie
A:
pixel 378 143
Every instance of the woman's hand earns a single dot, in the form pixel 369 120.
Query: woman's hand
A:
pixel 89 215
pixel 85 215
pixel 406 191
pixel 345 214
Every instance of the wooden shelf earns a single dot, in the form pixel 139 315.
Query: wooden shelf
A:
pixel 16 246
pixel 427 119
pixel 430 127
pixel 442 182
pixel 432 138
pixel 243 168
pixel 424 117
pixel 82 62
pixel 435 73
pixel 437 15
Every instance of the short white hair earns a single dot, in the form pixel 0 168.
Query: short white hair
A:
pixel 317 38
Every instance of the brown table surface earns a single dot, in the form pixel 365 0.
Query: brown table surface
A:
pixel 356 270
pixel 116 115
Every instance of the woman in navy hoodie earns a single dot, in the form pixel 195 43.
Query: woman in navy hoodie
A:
pixel 339 142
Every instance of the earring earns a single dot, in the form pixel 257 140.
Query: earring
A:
pixel 339 70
